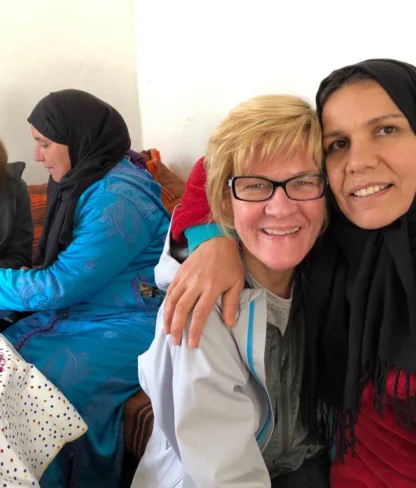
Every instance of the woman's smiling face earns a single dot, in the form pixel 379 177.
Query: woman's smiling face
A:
pixel 370 154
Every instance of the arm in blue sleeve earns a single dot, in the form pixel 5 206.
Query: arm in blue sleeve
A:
pixel 109 233
pixel 198 234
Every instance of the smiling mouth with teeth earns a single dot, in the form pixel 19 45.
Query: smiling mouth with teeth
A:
pixel 283 232
pixel 370 190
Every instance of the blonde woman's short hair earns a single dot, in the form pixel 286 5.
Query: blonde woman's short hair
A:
pixel 269 123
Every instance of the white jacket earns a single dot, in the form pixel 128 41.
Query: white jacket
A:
pixel 213 415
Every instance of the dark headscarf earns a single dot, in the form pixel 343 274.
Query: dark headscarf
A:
pixel 97 138
pixel 361 312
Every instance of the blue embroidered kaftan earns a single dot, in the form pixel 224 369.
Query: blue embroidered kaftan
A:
pixel 91 320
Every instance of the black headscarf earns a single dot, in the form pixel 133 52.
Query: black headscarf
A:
pixel 361 312
pixel 97 138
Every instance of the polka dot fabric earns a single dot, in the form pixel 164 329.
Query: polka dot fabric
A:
pixel 36 420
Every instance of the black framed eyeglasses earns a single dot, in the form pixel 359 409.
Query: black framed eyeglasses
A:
pixel 259 189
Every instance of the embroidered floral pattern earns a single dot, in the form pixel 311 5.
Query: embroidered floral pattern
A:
pixel 38 294
pixel 121 221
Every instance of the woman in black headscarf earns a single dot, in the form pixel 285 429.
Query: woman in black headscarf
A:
pixel 103 234
pixel 362 301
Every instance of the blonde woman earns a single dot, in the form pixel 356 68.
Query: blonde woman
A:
pixel 228 414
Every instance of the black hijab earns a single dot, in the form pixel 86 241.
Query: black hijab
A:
pixel 361 311
pixel 97 138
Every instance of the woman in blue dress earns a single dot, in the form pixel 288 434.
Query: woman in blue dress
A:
pixel 94 299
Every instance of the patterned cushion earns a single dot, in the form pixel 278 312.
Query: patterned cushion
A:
pixel 172 186
pixel 38 202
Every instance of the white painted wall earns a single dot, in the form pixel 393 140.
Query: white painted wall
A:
pixel 49 45
pixel 196 59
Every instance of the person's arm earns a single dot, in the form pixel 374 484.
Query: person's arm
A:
pixel 19 248
pixel 213 267
pixel 110 231
pixel 200 403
